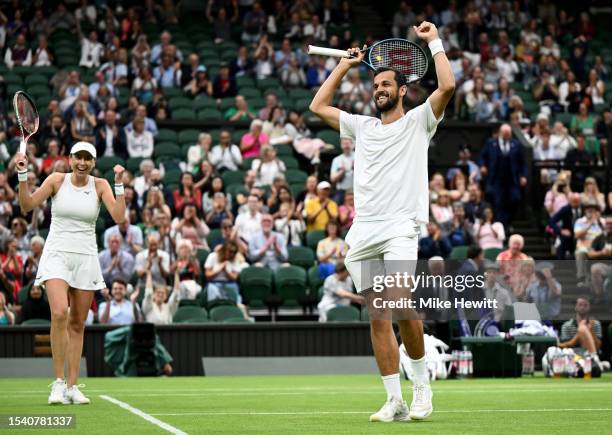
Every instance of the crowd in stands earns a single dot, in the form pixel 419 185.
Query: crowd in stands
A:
pixel 229 199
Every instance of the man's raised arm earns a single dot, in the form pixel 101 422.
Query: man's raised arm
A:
pixel 446 80
pixel 321 103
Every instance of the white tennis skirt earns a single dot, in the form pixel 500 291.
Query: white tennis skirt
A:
pixel 80 271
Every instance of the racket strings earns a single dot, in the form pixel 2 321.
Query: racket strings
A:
pixel 402 55
pixel 26 113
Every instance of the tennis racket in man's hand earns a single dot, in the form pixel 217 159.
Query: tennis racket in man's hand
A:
pixel 28 121
pixel 401 54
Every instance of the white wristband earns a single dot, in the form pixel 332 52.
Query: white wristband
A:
pixel 119 189
pixel 22 175
pixel 436 47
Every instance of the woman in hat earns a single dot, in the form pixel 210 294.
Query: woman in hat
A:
pixel 69 266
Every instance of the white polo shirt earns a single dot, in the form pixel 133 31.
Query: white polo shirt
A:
pixel 391 179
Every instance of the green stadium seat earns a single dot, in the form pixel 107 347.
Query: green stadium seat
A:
pixel 172 177
pixel 343 314
pixel 210 115
pixel 173 92
pixel 314 279
pixel 256 285
pixel 364 316
pixel 106 163
pixel 166 135
pixel 200 103
pixel 296 189
pixel 42 102
pixel 226 103
pixel 237 135
pixel 176 103
pixel 12 78
pixel 301 256
pixel 492 253
pixel 227 55
pixel 330 136
pixel 188 136
pixel 302 104
pixel 202 255
pixel 36 79
pixel 233 177
pixel 133 164
pixel 249 92
pixel 244 82
pixel 38 91
pixel 290 282
pixel 228 46
pixel 313 238
pixel 214 234
pixel 189 312
pixel 36 322
pixel 224 312
pixel 283 150
pixel 164 149
pixel 290 162
pixel 295 176
pixel 565 118
pixel 188 303
pixel 459 253
pixel 298 94
pixel 43 232
pixel 269 83
pixel 256 103
pixel 184 114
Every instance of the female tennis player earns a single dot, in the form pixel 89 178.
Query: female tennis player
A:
pixel 391 202
pixel 69 265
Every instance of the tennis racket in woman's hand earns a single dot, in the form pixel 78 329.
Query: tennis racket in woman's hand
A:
pixel 401 54
pixel 28 120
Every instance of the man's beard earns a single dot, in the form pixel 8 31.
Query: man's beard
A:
pixel 390 104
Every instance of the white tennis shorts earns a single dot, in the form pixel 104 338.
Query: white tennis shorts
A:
pixel 380 252
pixel 80 271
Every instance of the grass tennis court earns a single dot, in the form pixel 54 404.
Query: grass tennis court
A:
pixel 319 404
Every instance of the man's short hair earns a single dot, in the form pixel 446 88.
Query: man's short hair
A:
pixel 119 281
pixel 474 251
pixel 399 76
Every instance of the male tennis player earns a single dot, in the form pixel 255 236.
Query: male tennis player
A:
pixel 391 201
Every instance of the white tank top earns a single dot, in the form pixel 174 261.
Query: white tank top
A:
pixel 74 211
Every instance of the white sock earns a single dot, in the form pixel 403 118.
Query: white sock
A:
pixel 419 371
pixel 393 386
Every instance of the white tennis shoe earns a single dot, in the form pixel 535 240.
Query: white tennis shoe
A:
pixel 394 409
pixel 421 406
pixel 58 393
pixel 75 396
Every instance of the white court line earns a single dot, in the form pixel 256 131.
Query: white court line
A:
pixel 453 411
pixel 451 387
pixel 144 415
pixel 324 392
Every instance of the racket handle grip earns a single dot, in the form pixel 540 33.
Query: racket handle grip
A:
pixel 22 146
pixel 324 51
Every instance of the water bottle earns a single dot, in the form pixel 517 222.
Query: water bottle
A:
pixel 455 363
pixel 530 362
pixel 558 364
pixel 470 363
pixel 588 363
pixel 463 364
pixel 570 365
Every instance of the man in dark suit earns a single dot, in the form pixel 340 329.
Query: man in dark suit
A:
pixel 567 216
pixel 435 244
pixel 471 267
pixel 503 162
pixel 110 138
pixel 476 203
